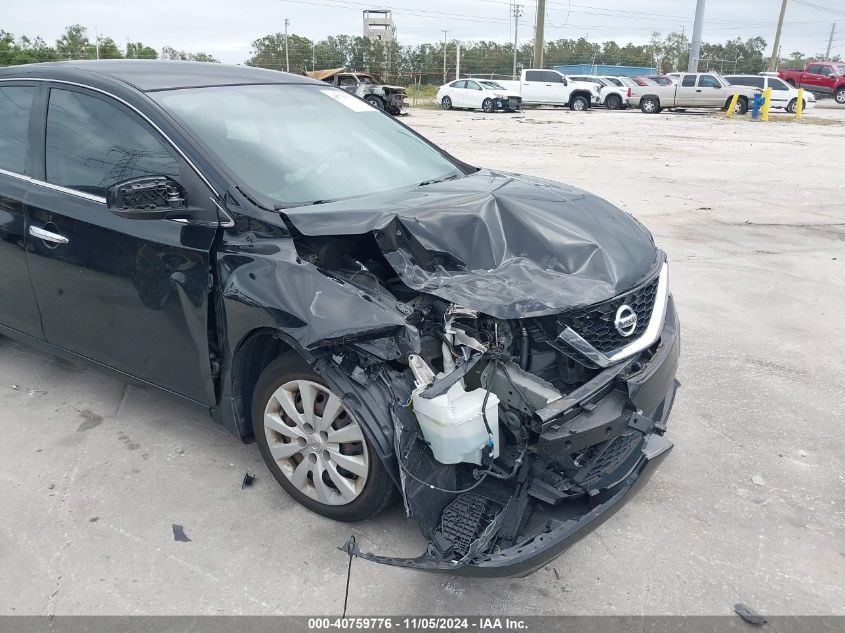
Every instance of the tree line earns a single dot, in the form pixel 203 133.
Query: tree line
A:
pixel 74 43
pixel 422 62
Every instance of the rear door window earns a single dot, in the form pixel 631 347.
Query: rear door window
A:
pixel 15 108
pixel 534 75
pixel 689 81
pixel 93 144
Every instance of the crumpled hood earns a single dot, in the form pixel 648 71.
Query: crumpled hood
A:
pixel 506 245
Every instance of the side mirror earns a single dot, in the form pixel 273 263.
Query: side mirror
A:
pixel 563 80
pixel 147 198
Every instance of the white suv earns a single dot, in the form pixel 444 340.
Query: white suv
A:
pixel 783 95
pixel 612 96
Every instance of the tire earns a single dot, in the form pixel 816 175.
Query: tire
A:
pixel 840 96
pixel 650 105
pixel 296 449
pixel 613 102
pixel 741 106
pixel 792 107
pixel 487 105
pixel 375 101
pixel 446 103
pixel 579 104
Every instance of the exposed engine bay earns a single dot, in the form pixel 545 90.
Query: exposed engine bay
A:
pixel 508 434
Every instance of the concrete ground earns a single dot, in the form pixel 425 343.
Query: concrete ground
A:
pixel 749 507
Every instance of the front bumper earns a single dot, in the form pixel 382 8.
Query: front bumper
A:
pixel 525 558
pixel 512 104
pixel 648 389
pixel 652 391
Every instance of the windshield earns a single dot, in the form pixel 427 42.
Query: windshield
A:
pixel 493 85
pixel 839 70
pixel 298 144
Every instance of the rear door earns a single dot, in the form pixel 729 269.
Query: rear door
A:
pixel 130 294
pixel 458 94
pixel 534 87
pixel 18 309
pixel 685 92
pixel 473 94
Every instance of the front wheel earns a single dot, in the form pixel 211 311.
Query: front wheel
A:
pixel 487 105
pixel 650 105
pixel 792 108
pixel 374 101
pixel 446 103
pixel 613 102
pixel 840 96
pixel 579 104
pixel 741 106
pixel 313 444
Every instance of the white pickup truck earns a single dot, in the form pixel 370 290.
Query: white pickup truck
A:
pixel 549 87
pixel 691 90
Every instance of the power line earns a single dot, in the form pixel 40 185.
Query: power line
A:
pixel 819 7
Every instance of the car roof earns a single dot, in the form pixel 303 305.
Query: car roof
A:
pixel 151 75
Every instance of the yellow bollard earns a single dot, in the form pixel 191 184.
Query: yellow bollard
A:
pixel 764 112
pixel 732 105
pixel 799 105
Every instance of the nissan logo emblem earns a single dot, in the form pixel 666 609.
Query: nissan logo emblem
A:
pixel 626 320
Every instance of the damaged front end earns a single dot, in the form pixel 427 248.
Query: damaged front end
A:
pixel 572 440
pixel 524 391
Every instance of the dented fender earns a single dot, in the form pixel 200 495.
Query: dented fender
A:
pixel 264 286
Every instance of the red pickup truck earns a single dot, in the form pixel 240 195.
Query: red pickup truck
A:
pixel 820 78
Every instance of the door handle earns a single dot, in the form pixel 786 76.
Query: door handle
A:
pixel 699 90
pixel 47 236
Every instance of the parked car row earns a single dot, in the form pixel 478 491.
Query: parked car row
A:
pixel 651 94
pixel 534 87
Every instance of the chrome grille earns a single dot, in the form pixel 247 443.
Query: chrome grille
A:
pixel 595 324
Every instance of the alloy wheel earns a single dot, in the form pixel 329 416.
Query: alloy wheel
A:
pixel 316 442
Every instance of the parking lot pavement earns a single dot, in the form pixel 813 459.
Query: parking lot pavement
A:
pixel 749 507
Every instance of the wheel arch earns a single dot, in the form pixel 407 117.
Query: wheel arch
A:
pixel 580 93
pixel 651 96
pixel 371 401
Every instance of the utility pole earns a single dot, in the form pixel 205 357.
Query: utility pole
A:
pixel 830 41
pixel 695 46
pixel 457 60
pixel 97 41
pixel 773 62
pixel 444 54
pixel 287 58
pixel 517 12
pixel 313 57
pixel 539 33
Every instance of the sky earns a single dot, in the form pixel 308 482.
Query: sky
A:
pixel 226 28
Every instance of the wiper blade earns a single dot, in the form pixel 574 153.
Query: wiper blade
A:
pixel 436 180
